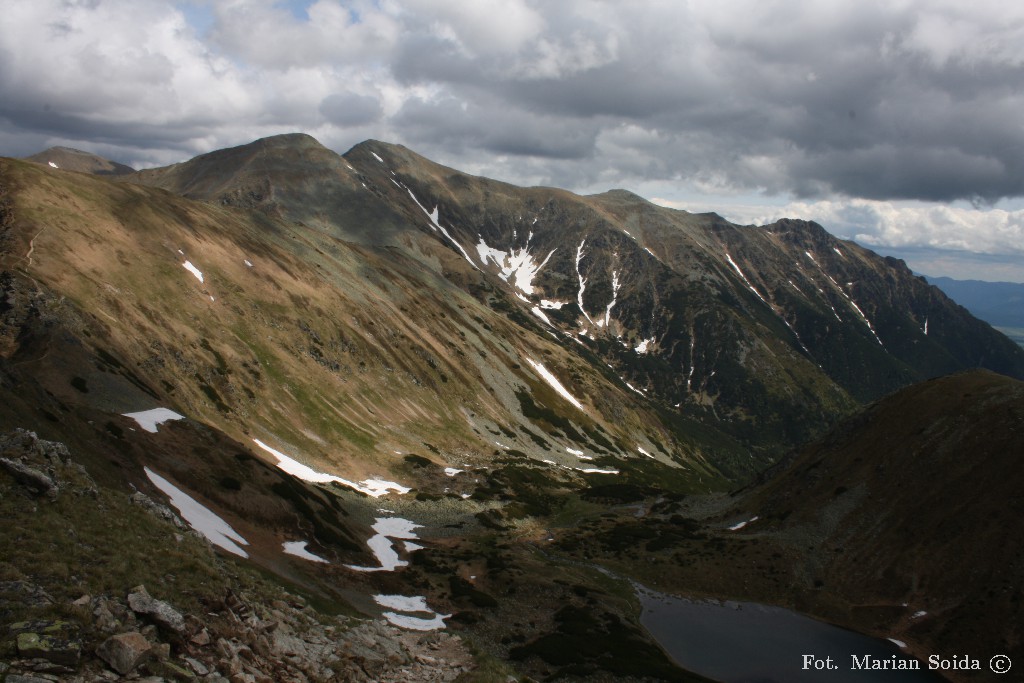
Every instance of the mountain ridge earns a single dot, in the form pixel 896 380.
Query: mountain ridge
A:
pixel 508 367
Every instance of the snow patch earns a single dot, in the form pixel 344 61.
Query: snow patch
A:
pixel 451 471
pixel 380 544
pixel 898 643
pixel 410 604
pixel 187 265
pixel 643 346
pixel 596 470
pixel 199 517
pixel 247 263
pixel 516 266
pixel 53 165
pixel 149 419
pixel 377 157
pixel 737 527
pixel 298 549
pixel 549 305
pixel 371 487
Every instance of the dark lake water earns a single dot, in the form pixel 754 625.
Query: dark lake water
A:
pixel 736 642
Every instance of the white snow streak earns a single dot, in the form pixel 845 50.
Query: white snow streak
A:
pixel 53 165
pixel 199 517
pixel 615 297
pixel 540 314
pixel 554 383
pixel 433 216
pixel 582 280
pixel 377 157
pixel 737 527
pixel 187 265
pixel 371 487
pixel 740 272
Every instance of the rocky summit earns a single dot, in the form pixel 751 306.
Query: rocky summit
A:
pixel 281 414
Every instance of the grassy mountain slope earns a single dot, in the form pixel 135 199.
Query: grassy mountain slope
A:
pixel 76 160
pixel 904 521
pixel 587 363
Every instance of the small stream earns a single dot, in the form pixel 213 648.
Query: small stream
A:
pixel 742 642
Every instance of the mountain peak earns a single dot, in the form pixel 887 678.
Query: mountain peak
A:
pixel 71 159
pixel 621 195
pixel 286 140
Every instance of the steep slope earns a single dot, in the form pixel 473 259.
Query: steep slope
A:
pixel 334 352
pixel 904 522
pixel 270 337
pixel 914 510
pixel 767 333
pixel 534 365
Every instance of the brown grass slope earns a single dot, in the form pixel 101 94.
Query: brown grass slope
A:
pixel 344 355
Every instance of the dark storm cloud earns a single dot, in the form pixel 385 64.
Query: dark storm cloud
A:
pixel 823 99
pixel 488 125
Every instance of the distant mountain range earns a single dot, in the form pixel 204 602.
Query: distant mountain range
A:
pixel 507 365
pixel 999 303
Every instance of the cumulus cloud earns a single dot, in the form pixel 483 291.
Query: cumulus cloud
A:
pixel 829 100
pixel 350 109
pixel 934 239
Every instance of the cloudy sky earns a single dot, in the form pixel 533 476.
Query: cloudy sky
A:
pixel 899 123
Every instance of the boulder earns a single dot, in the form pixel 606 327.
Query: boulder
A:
pixel 160 612
pixel 31 478
pixel 125 651
pixel 65 652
